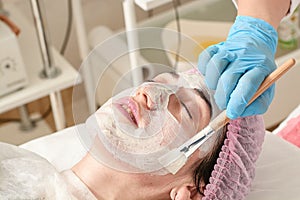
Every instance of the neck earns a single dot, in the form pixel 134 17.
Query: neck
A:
pixel 108 184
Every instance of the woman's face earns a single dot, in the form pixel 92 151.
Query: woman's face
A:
pixel 157 115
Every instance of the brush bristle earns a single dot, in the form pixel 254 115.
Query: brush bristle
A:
pixel 173 161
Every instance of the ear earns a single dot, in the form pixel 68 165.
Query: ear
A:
pixel 185 192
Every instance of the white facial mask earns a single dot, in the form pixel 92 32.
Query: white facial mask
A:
pixel 143 122
pixel 141 135
pixel 134 145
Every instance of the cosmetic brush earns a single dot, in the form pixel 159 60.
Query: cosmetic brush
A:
pixel 176 158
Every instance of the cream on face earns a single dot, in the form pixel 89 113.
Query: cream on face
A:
pixel 143 112
pixel 139 125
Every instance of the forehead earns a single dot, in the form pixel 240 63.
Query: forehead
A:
pixel 183 79
pixel 168 77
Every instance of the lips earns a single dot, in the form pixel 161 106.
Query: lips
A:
pixel 129 108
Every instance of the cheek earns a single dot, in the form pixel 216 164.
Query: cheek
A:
pixel 189 125
pixel 190 128
pixel 105 116
pixel 203 117
pixel 177 133
pixel 170 131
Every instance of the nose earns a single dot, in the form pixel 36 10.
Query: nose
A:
pixel 142 99
pixel 146 98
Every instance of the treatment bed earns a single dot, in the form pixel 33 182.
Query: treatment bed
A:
pixel 277 172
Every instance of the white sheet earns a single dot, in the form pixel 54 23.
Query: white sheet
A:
pixel 277 175
pixel 62 149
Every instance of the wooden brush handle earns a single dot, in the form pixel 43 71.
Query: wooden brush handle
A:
pixel 222 119
pixel 274 76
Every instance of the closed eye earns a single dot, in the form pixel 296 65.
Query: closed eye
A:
pixel 187 110
pixel 181 102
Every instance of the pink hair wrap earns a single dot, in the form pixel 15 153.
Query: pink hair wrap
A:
pixel 235 168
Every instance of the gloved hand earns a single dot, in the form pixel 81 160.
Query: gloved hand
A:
pixel 236 68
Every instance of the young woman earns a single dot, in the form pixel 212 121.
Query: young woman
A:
pixel 125 138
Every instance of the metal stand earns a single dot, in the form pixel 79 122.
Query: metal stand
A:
pixel 49 71
pixel 26 123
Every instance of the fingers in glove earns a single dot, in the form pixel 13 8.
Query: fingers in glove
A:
pixel 205 57
pixel 244 91
pixel 261 104
pixel 226 85
pixel 216 66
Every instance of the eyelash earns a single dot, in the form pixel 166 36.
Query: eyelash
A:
pixel 186 109
pixel 149 80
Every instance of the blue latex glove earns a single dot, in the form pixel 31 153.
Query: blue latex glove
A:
pixel 236 68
